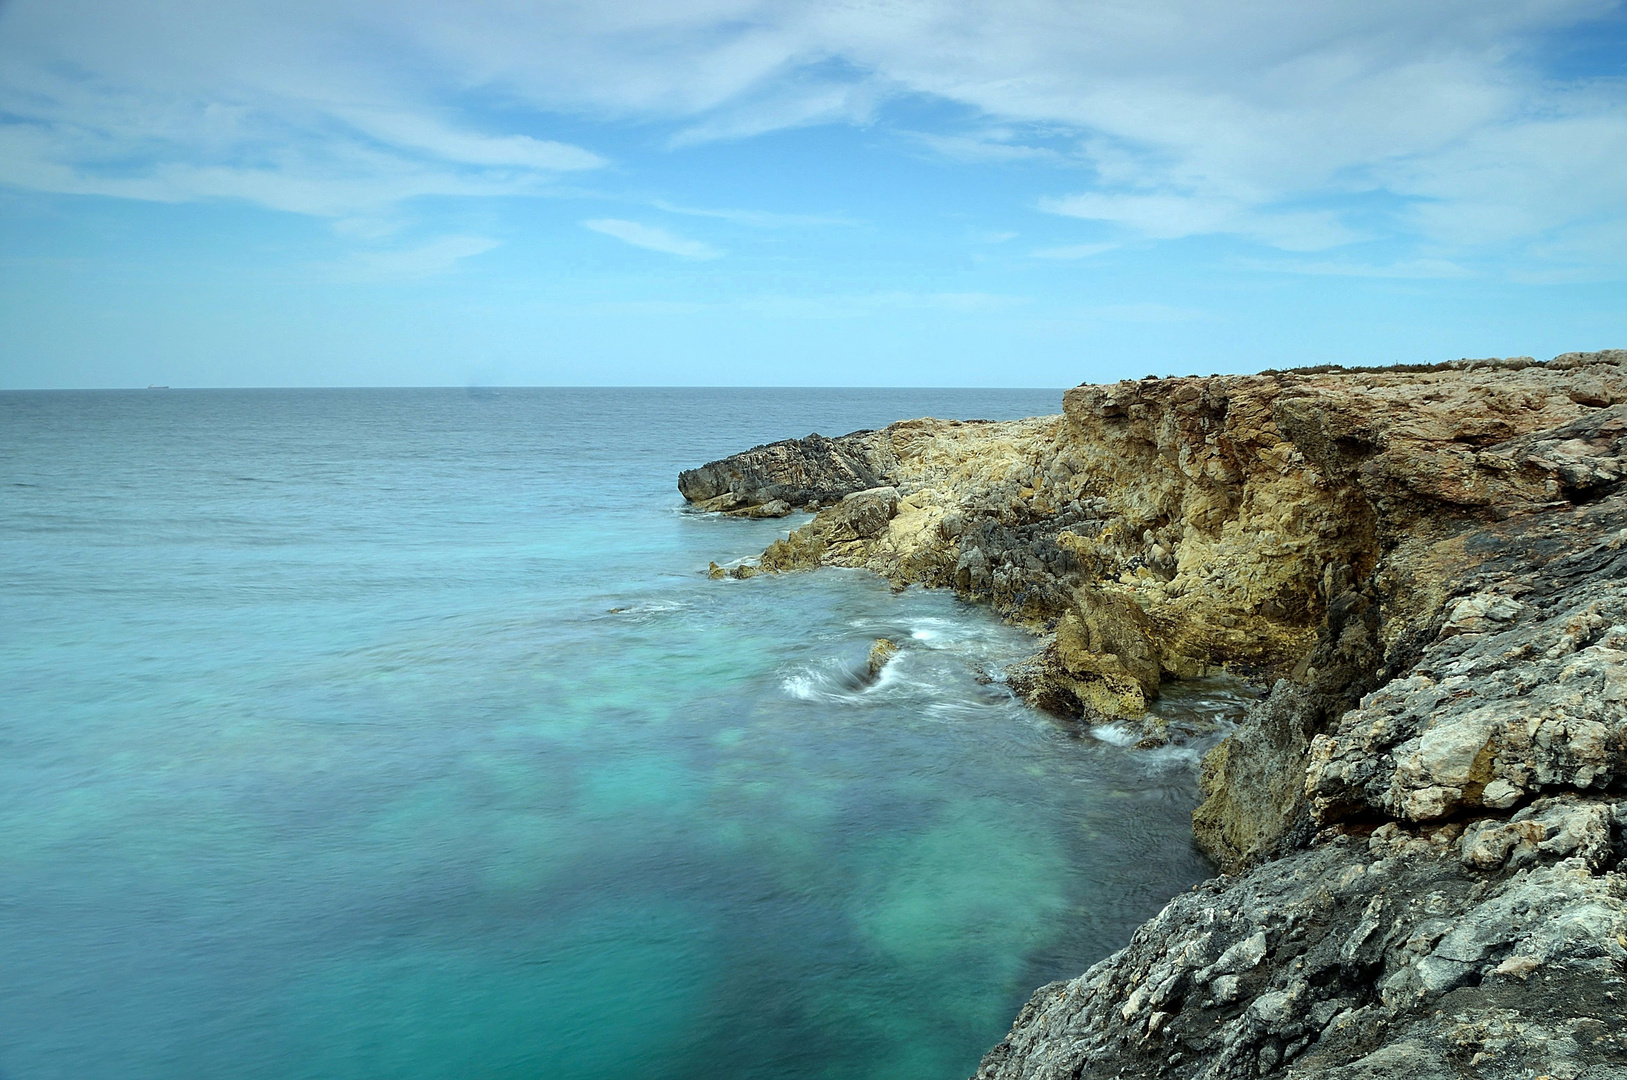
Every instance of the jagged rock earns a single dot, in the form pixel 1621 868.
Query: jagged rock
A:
pixel 1522 690
pixel 1253 806
pixel 1424 817
pixel 1232 510
pixel 802 550
pixel 858 516
pixel 1560 827
pixel 1102 664
pixel 1107 635
pixel 1353 959
pixel 795 471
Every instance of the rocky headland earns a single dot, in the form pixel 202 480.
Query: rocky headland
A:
pixel 1421 825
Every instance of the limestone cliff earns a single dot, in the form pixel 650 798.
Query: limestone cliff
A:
pixel 1426 810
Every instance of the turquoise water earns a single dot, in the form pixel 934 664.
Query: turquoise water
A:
pixel 355 734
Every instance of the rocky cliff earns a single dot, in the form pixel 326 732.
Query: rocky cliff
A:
pixel 1422 821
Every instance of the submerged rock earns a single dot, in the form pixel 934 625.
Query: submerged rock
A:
pixel 881 653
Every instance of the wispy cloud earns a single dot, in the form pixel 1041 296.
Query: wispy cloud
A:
pixel 444 142
pixel 1172 216
pixel 1276 121
pixel 757 219
pixel 793 100
pixel 428 260
pixel 220 135
pixel 346 180
pixel 985 149
pixel 1073 251
pixel 1407 268
pixel 653 238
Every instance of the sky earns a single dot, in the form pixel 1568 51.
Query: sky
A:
pixel 850 192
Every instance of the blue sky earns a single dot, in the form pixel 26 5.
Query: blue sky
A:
pixel 726 192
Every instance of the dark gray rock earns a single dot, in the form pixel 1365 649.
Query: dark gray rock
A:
pixel 1384 957
pixel 1522 690
pixel 1480 930
pixel 796 471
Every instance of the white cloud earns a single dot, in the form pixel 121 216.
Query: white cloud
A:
pixel 446 143
pixel 757 219
pixel 158 116
pixel 984 149
pixel 339 181
pixel 1170 216
pixel 1407 268
pixel 428 260
pixel 1073 251
pixel 652 237
pixel 1196 117
pixel 792 106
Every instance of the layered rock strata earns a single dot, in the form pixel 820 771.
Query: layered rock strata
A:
pixel 1423 818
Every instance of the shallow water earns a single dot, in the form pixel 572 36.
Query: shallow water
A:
pixel 401 734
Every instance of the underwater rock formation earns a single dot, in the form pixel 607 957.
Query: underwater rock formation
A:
pixel 1423 818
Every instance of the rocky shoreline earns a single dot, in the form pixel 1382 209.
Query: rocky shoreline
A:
pixel 1421 825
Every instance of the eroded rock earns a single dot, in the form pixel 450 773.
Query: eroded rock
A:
pixel 1343 961
pixel 1423 819
pixel 1522 691
pixel 794 471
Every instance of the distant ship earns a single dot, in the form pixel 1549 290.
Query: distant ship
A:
pixel 155 386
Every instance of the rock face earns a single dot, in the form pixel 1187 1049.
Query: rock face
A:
pixel 1522 689
pixel 1374 959
pixel 1423 818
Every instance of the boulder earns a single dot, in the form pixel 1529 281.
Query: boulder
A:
pixel 859 515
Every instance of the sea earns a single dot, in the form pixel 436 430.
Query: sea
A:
pixel 401 733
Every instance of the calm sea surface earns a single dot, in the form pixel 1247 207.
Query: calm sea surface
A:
pixel 364 734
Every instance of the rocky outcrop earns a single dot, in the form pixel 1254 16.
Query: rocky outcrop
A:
pixel 1234 513
pixel 1422 819
pixel 1447 896
pixel 1522 688
pixel 1369 959
pixel 793 473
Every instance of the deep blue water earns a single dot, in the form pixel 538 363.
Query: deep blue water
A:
pixel 363 734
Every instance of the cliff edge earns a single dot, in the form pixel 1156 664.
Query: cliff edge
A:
pixel 1422 823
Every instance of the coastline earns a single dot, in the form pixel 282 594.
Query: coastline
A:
pixel 1420 825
